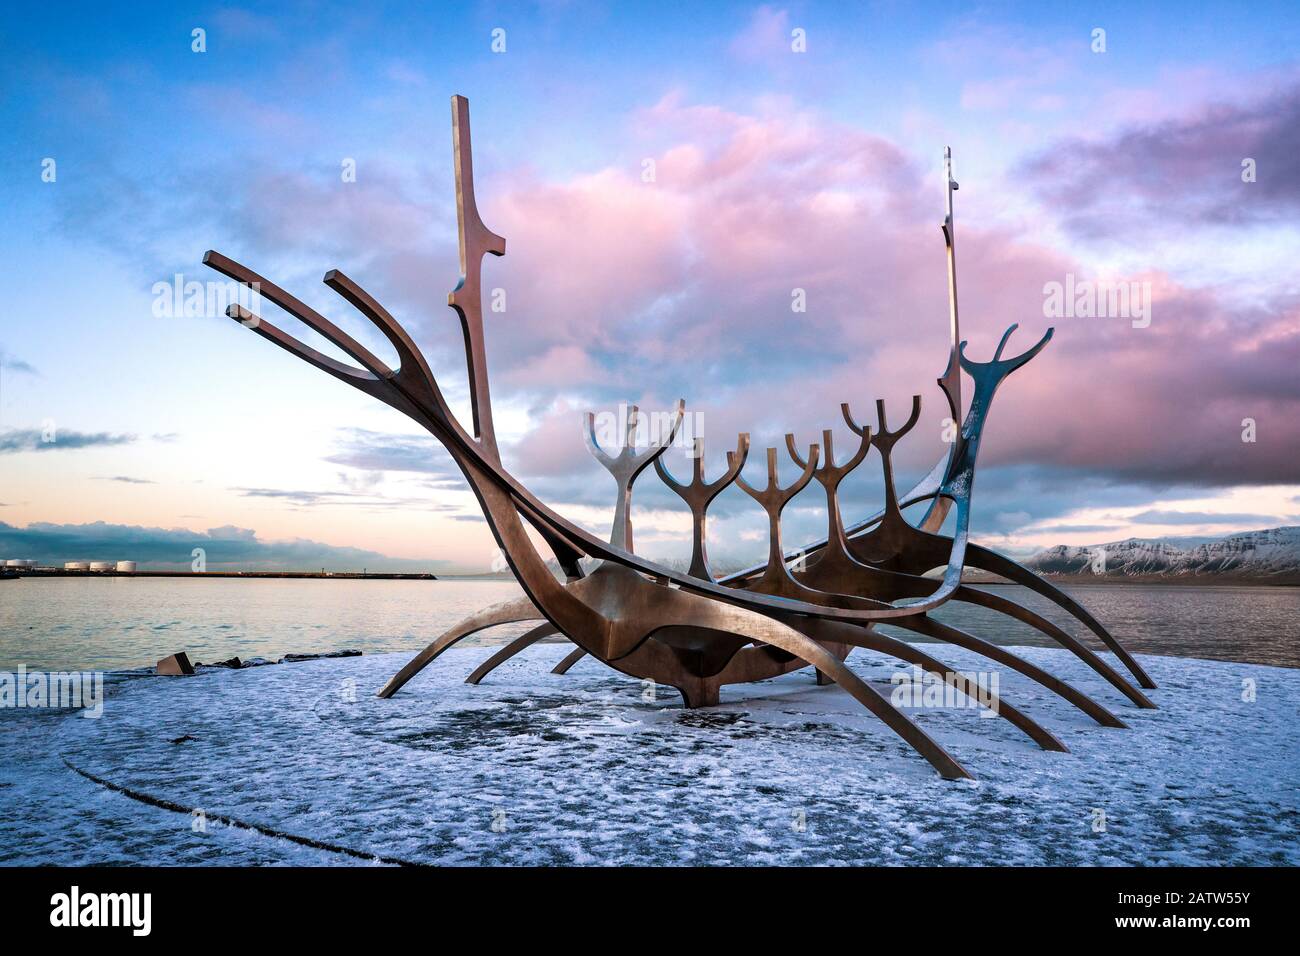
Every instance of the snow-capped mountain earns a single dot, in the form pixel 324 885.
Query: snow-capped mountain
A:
pixel 1252 554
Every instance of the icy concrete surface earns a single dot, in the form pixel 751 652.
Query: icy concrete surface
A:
pixel 532 768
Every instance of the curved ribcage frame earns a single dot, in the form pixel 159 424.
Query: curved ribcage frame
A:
pixel 829 476
pixel 699 494
pixel 639 617
pixel 627 464
pixel 836 569
pixel 775 579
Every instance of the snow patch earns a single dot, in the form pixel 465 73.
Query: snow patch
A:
pixel 533 768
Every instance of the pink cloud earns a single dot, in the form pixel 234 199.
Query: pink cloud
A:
pixel 623 289
pixel 1181 170
pixel 688 280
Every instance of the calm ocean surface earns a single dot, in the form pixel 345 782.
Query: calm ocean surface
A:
pixel 117 623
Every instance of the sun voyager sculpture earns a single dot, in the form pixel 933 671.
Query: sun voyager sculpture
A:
pixel 689 629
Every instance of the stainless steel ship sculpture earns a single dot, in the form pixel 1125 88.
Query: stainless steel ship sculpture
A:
pixel 691 630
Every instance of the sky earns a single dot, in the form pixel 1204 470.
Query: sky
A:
pixel 672 180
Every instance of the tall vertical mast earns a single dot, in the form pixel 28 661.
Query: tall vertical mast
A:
pixel 951 380
pixel 476 241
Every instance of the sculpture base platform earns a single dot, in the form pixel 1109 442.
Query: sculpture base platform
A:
pixel 531 768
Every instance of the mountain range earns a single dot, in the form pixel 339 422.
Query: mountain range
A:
pixel 1271 556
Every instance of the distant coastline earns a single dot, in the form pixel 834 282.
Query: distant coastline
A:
pixel 1182 580
pixel 970 577
pixel 323 575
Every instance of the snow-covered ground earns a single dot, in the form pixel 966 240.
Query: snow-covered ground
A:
pixel 532 768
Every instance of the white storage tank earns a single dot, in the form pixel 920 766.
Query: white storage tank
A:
pixel 15 563
pixel 102 565
pixel 126 567
pixel 31 563
pixel 76 566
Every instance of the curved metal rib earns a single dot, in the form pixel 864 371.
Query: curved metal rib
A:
pixel 924 550
pixel 563 667
pixel 944 632
pixel 939 631
pixel 765 630
pixel 838 574
pixel 508 612
pixel 870 639
pixel 844 584
pixel 929 627
pixel 1003 605
pixel 836 579
pixel 994 563
pixel 894 585
pixel 520 643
